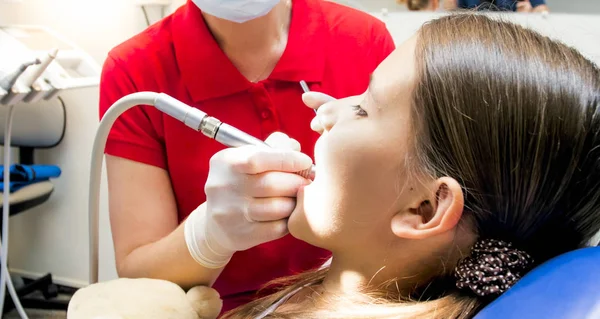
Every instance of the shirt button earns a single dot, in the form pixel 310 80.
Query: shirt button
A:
pixel 265 114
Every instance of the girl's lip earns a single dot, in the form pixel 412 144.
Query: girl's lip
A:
pixel 301 190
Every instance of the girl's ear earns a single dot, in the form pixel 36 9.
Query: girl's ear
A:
pixel 439 212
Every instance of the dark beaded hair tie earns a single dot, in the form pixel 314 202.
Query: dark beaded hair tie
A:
pixel 492 268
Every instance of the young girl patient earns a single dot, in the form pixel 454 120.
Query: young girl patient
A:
pixel 472 158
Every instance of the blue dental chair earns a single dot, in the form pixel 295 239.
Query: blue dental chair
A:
pixel 38 125
pixel 566 287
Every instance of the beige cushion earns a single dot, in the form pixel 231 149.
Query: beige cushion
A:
pixel 29 192
pixel 131 299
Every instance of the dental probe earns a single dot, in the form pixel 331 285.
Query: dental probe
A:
pixel 214 128
pixel 304 86
pixel 306 89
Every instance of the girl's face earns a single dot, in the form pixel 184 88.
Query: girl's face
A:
pixel 362 160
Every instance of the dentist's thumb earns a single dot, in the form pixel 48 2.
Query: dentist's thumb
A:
pixel 314 100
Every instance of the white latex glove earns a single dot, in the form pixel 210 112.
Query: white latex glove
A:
pixel 314 100
pixel 250 192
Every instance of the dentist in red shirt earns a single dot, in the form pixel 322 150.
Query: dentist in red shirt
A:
pixel 182 207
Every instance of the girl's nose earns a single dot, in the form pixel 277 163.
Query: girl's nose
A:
pixel 326 116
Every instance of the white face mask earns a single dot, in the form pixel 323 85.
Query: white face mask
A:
pixel 236 10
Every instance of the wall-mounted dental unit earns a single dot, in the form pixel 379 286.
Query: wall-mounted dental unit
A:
pixel 36 64
pixel 44 62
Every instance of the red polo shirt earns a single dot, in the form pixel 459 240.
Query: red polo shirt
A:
pixel 332 47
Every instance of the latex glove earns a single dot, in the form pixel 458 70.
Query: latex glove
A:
pixel 315 100
pixel 250 192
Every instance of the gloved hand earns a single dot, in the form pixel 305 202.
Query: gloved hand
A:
pixel 314 100
pixel 250 192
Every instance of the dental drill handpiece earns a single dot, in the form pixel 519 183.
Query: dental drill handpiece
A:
pixel 233 137
pixel 214 128
pixel 9 80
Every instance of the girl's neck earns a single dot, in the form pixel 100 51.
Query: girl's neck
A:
pixel 346 280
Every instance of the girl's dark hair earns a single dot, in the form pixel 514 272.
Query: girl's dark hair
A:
pixel 514 117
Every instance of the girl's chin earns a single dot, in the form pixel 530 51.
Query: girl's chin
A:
pixel 301 200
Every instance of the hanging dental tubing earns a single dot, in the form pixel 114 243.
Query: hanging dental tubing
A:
pixel 190 116
pixel 6 281
pixel 7 84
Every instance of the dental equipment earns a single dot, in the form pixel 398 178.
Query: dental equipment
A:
pixel 190 116
pixel 304 86
pixel 10 82
pixel 5 280
pixel 306 89
pixel 32 78
pixel 30 87
pixel 16 91
pixel 212 127
pixel 33 73
pixel 21 84
pixel 10 79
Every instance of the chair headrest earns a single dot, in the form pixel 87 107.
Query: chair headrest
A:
pixel 38 125
pixel 565 287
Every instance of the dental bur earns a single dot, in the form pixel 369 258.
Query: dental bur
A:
pixel 214 128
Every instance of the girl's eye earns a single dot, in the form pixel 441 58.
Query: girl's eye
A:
pixel 359 110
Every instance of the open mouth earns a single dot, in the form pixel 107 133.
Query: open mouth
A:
pixel 316 152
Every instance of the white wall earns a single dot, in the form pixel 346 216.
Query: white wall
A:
pixel 580 31
pixel 574 6
pixel 54 237
pixel 558 6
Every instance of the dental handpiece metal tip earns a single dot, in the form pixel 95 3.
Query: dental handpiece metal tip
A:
pixel 308 173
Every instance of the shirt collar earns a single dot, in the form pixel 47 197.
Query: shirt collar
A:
pixel 207 72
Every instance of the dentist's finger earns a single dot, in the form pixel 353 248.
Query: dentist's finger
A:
pixel 264 232
pixel 315 99
pixel 275 184
pixel 253 160
pixel 282 141
pixel 316 125
pixel 270 209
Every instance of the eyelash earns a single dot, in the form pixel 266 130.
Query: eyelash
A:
pixel 359 110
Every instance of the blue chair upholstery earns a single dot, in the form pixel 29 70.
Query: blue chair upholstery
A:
pixel 565 287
